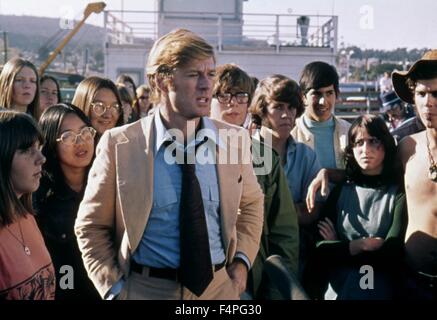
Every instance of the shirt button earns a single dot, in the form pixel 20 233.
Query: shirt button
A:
pixel 63 236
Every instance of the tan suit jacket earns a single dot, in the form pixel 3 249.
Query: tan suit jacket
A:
pixel 118 199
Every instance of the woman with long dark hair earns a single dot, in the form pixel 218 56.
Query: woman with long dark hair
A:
pixel 69 150
pixel 26 269
pixel 127 81
pixel 363 222
pixel 49 93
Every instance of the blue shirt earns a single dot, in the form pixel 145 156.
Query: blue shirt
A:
pixel 159 246
pixel 301 168
pixel 323 140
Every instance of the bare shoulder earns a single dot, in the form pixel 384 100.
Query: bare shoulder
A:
pixel 408 146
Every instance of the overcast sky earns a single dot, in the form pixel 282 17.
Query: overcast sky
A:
pixel 380 24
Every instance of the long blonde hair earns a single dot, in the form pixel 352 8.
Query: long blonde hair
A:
pixel 7 77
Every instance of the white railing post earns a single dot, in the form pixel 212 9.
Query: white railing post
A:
pixel 105 25
pixel 106 43
pixel 220 32
pixel 161 18
pixel 335 40
pixel 277 44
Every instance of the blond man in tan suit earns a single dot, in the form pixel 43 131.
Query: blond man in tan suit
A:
pixel 128 225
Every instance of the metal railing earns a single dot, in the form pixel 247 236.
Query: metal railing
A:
pixel 350 105
pixel 223 30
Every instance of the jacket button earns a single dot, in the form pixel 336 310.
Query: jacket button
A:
pixel 63 236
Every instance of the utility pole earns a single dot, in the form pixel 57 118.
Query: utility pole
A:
pixel 85 62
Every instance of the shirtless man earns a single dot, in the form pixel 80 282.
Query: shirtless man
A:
pixel 418 154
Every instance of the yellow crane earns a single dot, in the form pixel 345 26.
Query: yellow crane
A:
pixel 95 7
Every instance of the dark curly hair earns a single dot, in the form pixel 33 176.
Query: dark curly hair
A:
pixel 375 127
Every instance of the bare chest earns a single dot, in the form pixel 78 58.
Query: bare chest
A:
pixel 418 185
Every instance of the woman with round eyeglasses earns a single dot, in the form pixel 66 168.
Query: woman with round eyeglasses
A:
pixel 98 98
pixel 69 149
pixel 364 220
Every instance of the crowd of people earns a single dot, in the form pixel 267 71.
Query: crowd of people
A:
pixel 183 188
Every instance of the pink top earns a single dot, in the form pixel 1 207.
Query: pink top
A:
pixel 25 276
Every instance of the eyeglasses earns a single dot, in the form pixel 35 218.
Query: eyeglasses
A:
pixel 99 108
pixel 240 97
pixel 373 142
pixel 143 98
pixel 69 138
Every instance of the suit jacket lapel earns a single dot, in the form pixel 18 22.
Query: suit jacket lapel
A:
pixel 228 176
pixel 135 179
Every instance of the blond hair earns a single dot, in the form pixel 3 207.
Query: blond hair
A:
pixel 175 49
pixel 7 77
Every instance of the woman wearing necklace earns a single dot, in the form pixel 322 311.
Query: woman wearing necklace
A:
pixel 363 222
pixel 26 269
pixel 69 148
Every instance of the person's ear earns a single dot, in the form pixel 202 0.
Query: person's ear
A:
pixel 163 83
pixel 304 100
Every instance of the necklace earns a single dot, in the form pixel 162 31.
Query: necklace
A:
pixel 25 248
pixel 433 167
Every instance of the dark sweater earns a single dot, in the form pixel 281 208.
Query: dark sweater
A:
pixel 363 208
pixel 56 209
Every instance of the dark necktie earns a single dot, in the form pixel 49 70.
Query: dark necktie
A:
pixel 195 258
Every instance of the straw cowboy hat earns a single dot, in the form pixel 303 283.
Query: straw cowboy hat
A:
pixel 399 78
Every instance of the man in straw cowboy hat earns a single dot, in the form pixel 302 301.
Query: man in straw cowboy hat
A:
pixel 418 154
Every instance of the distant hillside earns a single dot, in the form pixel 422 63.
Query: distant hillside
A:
pixel 36 37
pixel 30 33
